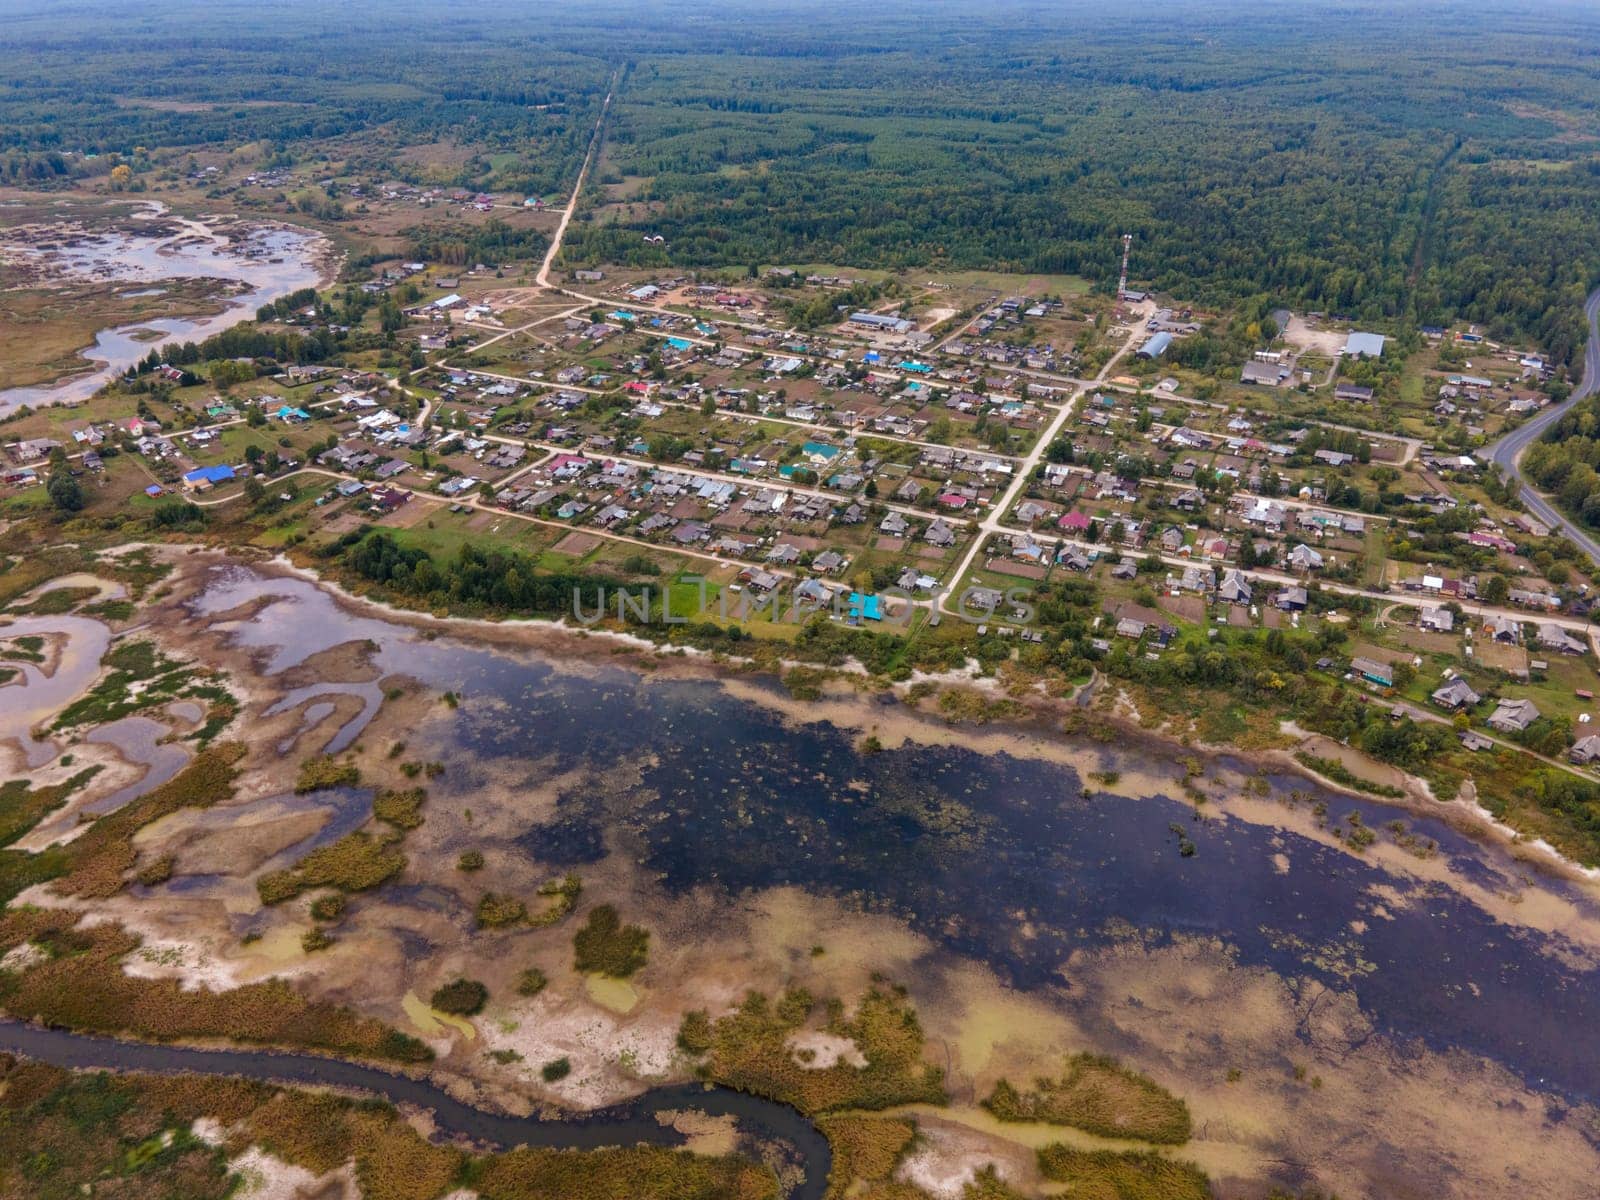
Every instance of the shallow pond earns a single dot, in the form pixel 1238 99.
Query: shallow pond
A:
pixel 267 263
pixel 35 697
pixel 139 740
pixel 968 847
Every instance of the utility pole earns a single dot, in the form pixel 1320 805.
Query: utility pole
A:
pixel 1127 247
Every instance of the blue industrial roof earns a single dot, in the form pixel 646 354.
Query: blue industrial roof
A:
pixel 218 474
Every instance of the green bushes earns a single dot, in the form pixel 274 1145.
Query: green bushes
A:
pixel 563 895
pixel 605 946
pixel 1138 1176
pixel 277 886
pixel 751 1049
pixel 496 911
pixel 23 806
pixel 694 1032
pixel 402 809
pixel 1099 1096
pixel 69 1134
pixel 59 600
pixel 139 677
pixel 354 863
pixel 323 771
pixel 83 986
pixel 866 1150
pixel 461 997
pixel 1332 768
pixel 555 1070
pixel 531 982
pixel 328 908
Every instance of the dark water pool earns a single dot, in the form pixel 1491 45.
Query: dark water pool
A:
pixel 959 842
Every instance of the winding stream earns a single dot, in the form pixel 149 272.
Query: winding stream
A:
pixel 627 1124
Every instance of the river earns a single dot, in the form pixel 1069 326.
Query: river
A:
pixel 624 1125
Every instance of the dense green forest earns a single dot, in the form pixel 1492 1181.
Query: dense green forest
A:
pixel 369 79
pixel 1566 461
pixel 1412 163
pixel 1396 163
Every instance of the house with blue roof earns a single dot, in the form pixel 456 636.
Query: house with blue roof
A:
pixel 868 607
pixel 820 451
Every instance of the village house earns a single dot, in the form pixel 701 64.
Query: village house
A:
pixel 1513 716
pixel 983 599
pixel 32 450
pixel 1551 636
pixel 1234 588
pixel 1292 599
pixel 1503 629
pixel 1524 598
pixel 1455 695
pixel 1437 620
pixel 1372 671
pixel 1135 620
pixel 1304 558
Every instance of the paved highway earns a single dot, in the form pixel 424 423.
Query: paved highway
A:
pixel 1508 449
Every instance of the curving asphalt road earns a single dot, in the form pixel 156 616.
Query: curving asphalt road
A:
pixel 1508 449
